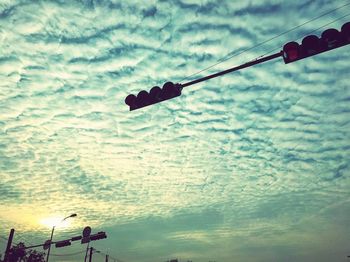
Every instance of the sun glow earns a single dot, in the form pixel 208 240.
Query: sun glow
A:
pixel 54 221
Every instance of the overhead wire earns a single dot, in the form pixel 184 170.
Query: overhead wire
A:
pixel 4 238
pixel 258 60
pixel 315 30
pixel 266 41
pixel 323 26
pixel 17 243
pixel 109 256
pixel 310 32
pixel 68 254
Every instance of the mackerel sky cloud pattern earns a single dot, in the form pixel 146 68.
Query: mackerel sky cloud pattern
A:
pixel 251 166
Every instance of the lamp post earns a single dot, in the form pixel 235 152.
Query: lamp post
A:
pixel 53 229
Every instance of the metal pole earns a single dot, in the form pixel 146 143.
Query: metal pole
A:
pixel 87 249
pixel 53 228
pixel 90 257
pixel 9 243
pixel 255 62
pixel 48 251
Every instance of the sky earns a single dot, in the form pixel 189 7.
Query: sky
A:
pixel 250 166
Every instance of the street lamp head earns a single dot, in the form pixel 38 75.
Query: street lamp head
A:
pixel 72 215
pixel 58 244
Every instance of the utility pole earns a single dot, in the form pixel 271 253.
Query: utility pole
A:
pixel 48 251
pixel 9 243
pixel 90 256
pixel 87 249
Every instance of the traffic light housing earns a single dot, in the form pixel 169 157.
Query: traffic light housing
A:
pixel 98 236
pixel 156 95
pixel 76 238
pixel 312 45
pixel 63 243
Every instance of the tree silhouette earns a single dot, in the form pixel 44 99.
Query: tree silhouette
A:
pixel 35 256
pixel 18 253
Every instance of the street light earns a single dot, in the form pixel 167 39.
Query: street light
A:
pixel 53 229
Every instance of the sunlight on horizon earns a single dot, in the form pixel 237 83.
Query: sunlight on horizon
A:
pixel 55 221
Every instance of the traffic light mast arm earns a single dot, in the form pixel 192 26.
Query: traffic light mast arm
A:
pixel 40 245
pixel 171 90
pixel 310 45
pixel 255 62
pixel 51 243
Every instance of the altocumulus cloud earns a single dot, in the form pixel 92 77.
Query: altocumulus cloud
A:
pixel 253 162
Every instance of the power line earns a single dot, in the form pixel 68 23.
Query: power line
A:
pixel 69 254
pixel 266 41
pixel 323 26
pixel 21 238
pixel 24 242
pixel 109 256
pixel 249 64
pixel 255 61
pixel 4 238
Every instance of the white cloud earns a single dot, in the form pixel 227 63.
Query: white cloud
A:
pixel 267 146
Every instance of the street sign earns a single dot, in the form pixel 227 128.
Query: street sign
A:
pixel 87 231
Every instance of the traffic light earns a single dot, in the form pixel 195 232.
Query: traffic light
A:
pixel 76 238
pixel 313 45
pixel 98 236
pixel 63 243
pixel 156 95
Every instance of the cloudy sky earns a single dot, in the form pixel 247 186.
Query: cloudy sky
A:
pixel 251 166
